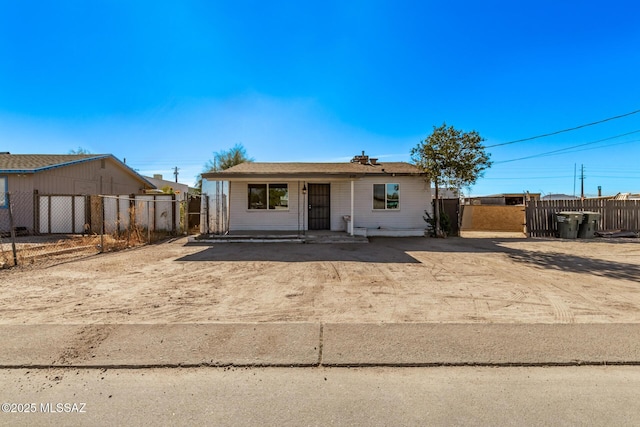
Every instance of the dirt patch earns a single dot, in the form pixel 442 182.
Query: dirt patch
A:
pixel 467 280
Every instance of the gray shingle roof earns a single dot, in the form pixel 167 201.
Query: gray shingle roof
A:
pixel 36 162
pixel 248 169
pixel 32 163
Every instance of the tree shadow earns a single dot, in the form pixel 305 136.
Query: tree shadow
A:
pixel 577 264
pixel 546 260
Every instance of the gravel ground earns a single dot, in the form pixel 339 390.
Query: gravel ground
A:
pixel 474 279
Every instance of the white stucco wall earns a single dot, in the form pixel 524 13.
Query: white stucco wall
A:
pixel 242 218
pixel 415 198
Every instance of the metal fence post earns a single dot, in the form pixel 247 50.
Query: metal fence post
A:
pixel 101 199
pixel 148 223
pixel 174 217
pixel 13 230
pixel 186 214
pixel 207 215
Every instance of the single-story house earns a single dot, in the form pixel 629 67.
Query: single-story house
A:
pixel 559 197
pixel 363 197
pixel 33 179
pixel 626 196
pixel 504 199
pixel 181 190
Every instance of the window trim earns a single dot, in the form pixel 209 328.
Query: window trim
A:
pixel 268 188
pixel 386 200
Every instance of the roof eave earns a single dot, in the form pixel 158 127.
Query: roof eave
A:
pixel 16 171
pixel 221 176
pixel 80 161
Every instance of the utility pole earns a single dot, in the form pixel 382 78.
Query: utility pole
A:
pixel 574 180
pixel 582 182
pixel 175 172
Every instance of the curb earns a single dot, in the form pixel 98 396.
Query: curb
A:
pixel 110 346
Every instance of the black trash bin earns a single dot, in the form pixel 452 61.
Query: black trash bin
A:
pixel 587 229
pixel 568 223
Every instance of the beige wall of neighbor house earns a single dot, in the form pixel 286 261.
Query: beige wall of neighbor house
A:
pixel 102 176
pixel 19 183
pixel 493 218
pixel 91 177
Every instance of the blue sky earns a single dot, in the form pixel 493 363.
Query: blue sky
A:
pixel 167 84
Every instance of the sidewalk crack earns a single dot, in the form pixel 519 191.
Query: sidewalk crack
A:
pixel 321 343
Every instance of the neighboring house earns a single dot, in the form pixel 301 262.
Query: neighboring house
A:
pixel 559 197
pixel 181 190
pixel 504 199
pixel 361 197
pixel 445 193
pixel 626 196
pixel 29 177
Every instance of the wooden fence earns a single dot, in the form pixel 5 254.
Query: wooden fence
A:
pixel 615 214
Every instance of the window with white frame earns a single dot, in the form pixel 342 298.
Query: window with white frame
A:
pixel 3 191
pixel 268 196
pixel 386 196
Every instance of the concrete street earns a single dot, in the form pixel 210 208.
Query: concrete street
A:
pixel 315 374
pixel 585 395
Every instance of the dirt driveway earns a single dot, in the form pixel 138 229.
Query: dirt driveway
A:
pixel 467 280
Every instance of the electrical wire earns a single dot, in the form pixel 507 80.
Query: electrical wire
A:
pixel 566 149
pixel 564 130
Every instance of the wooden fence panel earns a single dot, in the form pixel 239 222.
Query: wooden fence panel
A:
pixel 615 214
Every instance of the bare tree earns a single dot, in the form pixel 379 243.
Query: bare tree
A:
pixel 224 160
pixel 79 150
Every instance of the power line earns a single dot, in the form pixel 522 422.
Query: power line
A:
pixel 526 178
pixel 561 150
pixel 564 130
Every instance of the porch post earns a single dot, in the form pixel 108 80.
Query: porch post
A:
pixel 352 210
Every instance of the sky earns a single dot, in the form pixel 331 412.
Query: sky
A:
pixel 168 84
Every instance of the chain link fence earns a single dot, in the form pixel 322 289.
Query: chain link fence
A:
pixel 36 228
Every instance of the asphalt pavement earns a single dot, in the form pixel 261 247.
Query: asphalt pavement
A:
pixel 437 396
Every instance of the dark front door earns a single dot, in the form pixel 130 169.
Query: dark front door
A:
pixel 319 206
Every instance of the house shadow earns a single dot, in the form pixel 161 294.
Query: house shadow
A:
pixel 297 252
pixel 398 250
